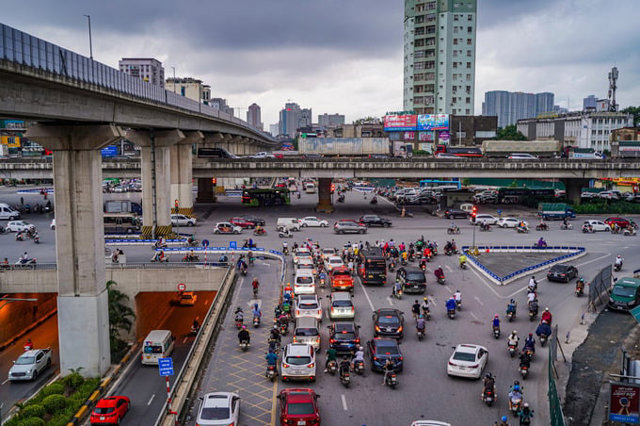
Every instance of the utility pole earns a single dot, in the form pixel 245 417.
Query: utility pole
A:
pixel 174 79
pixel 90 42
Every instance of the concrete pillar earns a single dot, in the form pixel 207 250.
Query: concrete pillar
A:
pixel 156 190
pixel 83 312
pixel 182 173
pixel 324 196
pixel 574 188
pixel 205 191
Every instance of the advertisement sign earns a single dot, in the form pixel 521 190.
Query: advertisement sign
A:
pixel 624 403
pixel 11 141
pixel 433 122
pixel 409 136
pixel 427 147
pixel 399 123
pixel 109 151
pixel 444 137
pixel 426 137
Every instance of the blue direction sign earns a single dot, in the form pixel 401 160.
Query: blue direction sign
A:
pixel 205 243
pixel 165 366
pixel 233 245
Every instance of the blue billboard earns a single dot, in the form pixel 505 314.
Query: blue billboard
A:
pixel 110 151
pixel 431 122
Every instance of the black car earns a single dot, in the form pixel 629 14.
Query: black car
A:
pixel 375 220
pixel 388 322
pixel 412 279
pixel 344 337
pixel 562 273
pixel 455 214
pixel 257 221
pixel 380 350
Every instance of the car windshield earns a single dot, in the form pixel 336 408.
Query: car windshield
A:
pixel 464 356
pixel 341 304
pixel 306 332
pixel 304 280
pixel 388 350
pixel 300 408
pixel 305 266
pixel 415 276
pixel 214 413
pixel 335 261
pixel 341 273
pixel 25 360
pixel 308 305
pixel 298 360
pixel 345 335
pixel 387 320
pixel 619 290
pixel 103 410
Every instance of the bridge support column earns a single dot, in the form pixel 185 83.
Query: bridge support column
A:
pixel 324 196
pixel 574 188
pixel 155 167
pixel 205 191
pixel 83 314
pixel 182 173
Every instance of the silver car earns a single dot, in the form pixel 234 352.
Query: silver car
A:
pixel 341 306
pixel 308 305
pixel 298 362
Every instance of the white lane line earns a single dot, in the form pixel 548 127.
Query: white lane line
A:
pixel 268 265
pixel 5 381
pixel 448 288
pixel 184 340
pixel 474 316
pixel 151 399
pixel 364 290
pixel 390 300
pixel 448 268
pixel 477 299
pixel 344 402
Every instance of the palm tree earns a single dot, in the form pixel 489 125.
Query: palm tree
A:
pixel 120 314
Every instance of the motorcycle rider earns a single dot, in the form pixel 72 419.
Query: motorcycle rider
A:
pixel 543 329
pixel 438 272
pixel 546 316
pixel 529 344
pixel 28 345
pixel 450 304
pixel 388 369
pixel 515 394
pixel 358 357
pixel 397 287
pixel 239 315
pixel 415 309
pixel 344 366
pixel 158 256
pixel 457 296
pixel 243 335
pixel 255 284
pixel 331 356
pixel 511 307
pixel 256 311
pixel 531 298
pixel 580 284
pixel 496 322
pixel 272 359
pixel 504 421
pixel 525 359
pixel 619 261
pixel 542 243
pixel 462 260
pixel 513 339
pixel 195 327
pixel 24 258
pixel 533 284
pixel 488 384
pixel 421 324
pixel 425 306
pixel 525 415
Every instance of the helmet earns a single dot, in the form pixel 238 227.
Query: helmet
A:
pixel 440 266
pixel 421 316
pixel 514 332
pixel 504 418
pixel 360 348
pixel 618 256
pixel 244 327
pixel 255 305
pixel 424 298
pixel 457 291
pixel 496 316
pixel 516 387
pixel 530 334
pixel 526 405
pixel 546 309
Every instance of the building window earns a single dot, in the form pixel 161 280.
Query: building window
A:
pixel 454 88
pixel 455 76
pixel 453 111
pixel 468 53
pixel 469 42
pixel 468 100
pixel 455 65
pixel 470 18
pixel 468 76
pixel 468 65
pixel 468 111
pixel 454 99
pixel 469 29
pixel 455 53
pixel 455 41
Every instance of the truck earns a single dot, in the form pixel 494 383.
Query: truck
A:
pixel 360 147
pixel 555 211
pixel 505 148
pixel 122 206
pixel 30 364
pixel 584 154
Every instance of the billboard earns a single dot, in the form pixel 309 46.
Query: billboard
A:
pixel 11 141
pixel 444 137
pixel 624 403
pixel 426 137
pixel 110 151
pixel 399 123
pixel 433 122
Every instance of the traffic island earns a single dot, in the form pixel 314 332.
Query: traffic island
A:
pixel 505 264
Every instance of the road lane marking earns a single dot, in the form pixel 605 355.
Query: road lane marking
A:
pixel 448 268
pixel 448 288
pixel 5 382
pixel 474 316
pixel 274 402
pixel 364 290
pixel 477 299
pixel 344 402
pixel 151 399
pixel 390 300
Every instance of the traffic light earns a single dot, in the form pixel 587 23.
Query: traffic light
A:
pixel 474 213
pixel 214 181
pixel 333 187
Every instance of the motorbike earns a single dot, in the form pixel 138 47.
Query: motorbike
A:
pixel 426 313
pixel 285 251
pixel 28 346
pixel 157 258
pixel 510 315
pixel 420 333
pixel 243 271
pixel 285 234
pixel 515 405
pixel 36 239
pixel 345 378
pixel 485 227
pixel 271 373
pixel 496 332
pixel 542 227
pixel 255 292
pixel 358 367
pixel 463 265
pixel 341 198
pixel 374 200
pixel 532 314
pixel 397 294
pixel 403 262
pixel 451 231
pixel 566 227
pixel 543 339
pixel 332 367
pixel 488 397
pixel 189 258
pixel 284 329
pixel 194 330
pixel 617 267
pixel 629 232
pixel 423 266
pixel 522 229
pixel 451 313
pixel 524 371
pixel 441 279
pixel 459 304
pixel 25 263
pixel 391 380
pixel 392 266
pixel 512 349
pixel 244 345
pixel 193 243
pixel 256 320
pixel 586 229
pixel 259 232
pixel 239 323
pixel 579 287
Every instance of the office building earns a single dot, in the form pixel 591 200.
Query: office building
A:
pixel 190 88
pixel 147 69
pixel 590 129
pixel 292 118
pixel 439 56
pixel 330 120
pixel 510 107
pixel 253 116
pixel 221 104
pixel 589 103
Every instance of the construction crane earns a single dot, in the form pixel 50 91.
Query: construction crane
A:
pixel 613 78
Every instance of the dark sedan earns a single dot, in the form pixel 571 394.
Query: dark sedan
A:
pixel 562 273
pixel 375 220
pixel 455 214
pixel 344 337
pixel 257 221
pixel 382 349
pixel 388 322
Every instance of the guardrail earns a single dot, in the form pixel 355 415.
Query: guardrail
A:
pixel 574 252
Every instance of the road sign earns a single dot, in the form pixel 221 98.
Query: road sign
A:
pixel 165 366
pixel 182 287
pixel 205 243
pixel 233 245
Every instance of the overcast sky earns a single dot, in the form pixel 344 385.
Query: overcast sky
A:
pixel 345 56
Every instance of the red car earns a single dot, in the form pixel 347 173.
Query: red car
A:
pixel 298 406
pixel 620 221
pixel 110 410
pixel 243 223
pixel 341 279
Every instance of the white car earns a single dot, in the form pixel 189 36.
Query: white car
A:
pixel 341 306
pixel 226 228
pixel 308 305
pixel 262 155
pixel 597 225
pixel 182 220
pixel 522 156
pixel 299 253
pixel 305 264
pixel 219 408
pixel 610 195
pixel 468 361
pixel 298 362
pixel 510 222
pixel 487 219
pixel 333 262
pixel 19 226
pixel 304 282
pixel 30 364
pixel 312 221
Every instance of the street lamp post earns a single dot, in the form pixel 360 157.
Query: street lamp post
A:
pixel 90 42
pixel 174 79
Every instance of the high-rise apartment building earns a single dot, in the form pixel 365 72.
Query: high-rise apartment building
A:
pixel 253 116
pixel 292 117
pixel 330 120
pixel 513 106
pixel 147 69
pixel 439 56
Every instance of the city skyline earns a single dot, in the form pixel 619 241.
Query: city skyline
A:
pixel 276 56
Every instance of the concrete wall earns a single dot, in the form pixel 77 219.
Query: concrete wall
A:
pixel 16 317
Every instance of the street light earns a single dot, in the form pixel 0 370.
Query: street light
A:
pixel 174 79
pixel 90 43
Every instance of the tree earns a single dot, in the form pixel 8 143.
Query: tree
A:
pixel 635 111
pixel 510 133
pixel 120 318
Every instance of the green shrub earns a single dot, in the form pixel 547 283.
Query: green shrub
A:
pixel 33 410
pixel 72 381
pixel 53 389
pixel 604 207
pixel 54 403
pixel 62 418
pixel 31 421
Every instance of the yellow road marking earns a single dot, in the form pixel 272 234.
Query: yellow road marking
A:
pixel 273 402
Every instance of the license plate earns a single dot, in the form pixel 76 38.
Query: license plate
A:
pixel 302 422
pixel 489 399
pixel 370 276
pixel 102 417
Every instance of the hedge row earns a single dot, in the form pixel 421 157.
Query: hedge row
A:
pixel 604 207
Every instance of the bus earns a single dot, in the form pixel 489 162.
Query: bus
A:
pixel 121 223
pixel 266 197
pixel 442 185
pixel 459 151
pixel 157 344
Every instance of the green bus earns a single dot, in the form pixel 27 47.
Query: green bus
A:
pixel 266 197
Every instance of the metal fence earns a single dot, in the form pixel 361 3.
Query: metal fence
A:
pixel 599 288
pixel 555 408
pixel 27 50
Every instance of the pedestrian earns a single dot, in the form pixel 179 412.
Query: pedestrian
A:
pixel 22 201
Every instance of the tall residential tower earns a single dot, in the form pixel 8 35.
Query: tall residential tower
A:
pixel 439 56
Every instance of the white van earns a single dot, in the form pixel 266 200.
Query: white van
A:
pixel 310 188
pixel 7 213
pixel 157 344
pixel 304 282
pixel 288 222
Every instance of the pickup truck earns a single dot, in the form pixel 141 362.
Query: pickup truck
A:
pixel 30 364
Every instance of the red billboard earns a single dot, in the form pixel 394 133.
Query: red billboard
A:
pixel 624 403
pixel 400 123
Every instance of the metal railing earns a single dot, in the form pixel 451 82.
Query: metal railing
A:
pixel 24 49
pixel 599 288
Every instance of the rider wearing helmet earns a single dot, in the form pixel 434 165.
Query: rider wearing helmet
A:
pixel 496 321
